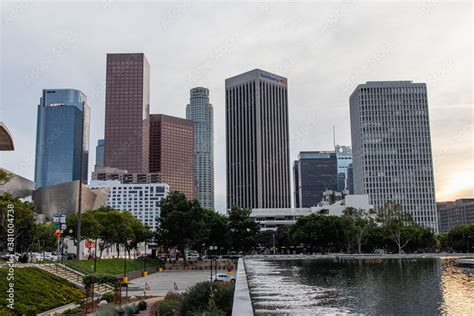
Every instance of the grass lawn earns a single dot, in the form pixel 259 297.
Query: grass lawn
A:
pixel 112 266
pixel 36 291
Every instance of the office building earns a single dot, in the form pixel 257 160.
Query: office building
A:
pixel 108 173
pixel 391 147
pixel 140 199
pixel 200 111
pixel 127 108
pixel 350 179
pixel 314 172
pixel 344 159
pixel 99 153
pixel 62 128
pixel 257 142
pixel 172 152
pixel 272 218
pixel 453 213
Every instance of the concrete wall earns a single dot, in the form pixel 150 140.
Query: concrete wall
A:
pixel 242 303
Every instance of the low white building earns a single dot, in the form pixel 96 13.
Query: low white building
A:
pixel 140 199
pixel 272 218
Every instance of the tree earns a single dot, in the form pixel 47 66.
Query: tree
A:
pixel 23 220
pixel 461 237
pixel 395 222
pixel 358 224
pixel 181 222
pixel 44 238
pixel 214 231
pixel 318 231
pixel 242 229
pixel 5 176
pixel 140 232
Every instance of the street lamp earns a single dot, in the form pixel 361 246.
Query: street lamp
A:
pixel 125 278
pixel 211 248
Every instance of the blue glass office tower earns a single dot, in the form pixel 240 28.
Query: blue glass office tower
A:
pixel 99 153
pixel 59 134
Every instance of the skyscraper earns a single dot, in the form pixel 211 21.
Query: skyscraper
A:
pixel 127 108
pixel 62 126
pixel 200 111
pixel 257 142
pixel 172 152
pixel 344 159
pixel 391 147
pixel 99 153
pixel 314 172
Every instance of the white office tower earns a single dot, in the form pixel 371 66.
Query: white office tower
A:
pixel 142 199
pixel 391 147
pixel 200 111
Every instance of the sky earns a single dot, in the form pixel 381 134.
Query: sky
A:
pixel 325 49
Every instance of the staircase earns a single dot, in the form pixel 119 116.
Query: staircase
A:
pixel 72 276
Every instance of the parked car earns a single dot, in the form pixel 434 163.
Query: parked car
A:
pixel 222 278
pixel 192 257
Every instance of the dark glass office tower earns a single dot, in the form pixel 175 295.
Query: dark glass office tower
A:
pixel 314 173
pixel 257 142
pixel 59 134
pixel 127 108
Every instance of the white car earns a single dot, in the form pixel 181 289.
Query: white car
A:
pixel 192 257
pixel 223 278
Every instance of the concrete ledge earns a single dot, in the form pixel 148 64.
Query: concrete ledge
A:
pixel 242 303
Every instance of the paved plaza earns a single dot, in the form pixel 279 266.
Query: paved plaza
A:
pixel 161 283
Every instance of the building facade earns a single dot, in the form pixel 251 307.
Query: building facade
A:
pixel 314 172
pixel 453 213
pixel 127 108
pixel 200 111
pixel 99 153
pixel 140 199
pixel 172 152
pixel 272 218
pixel 391 147
pixel 62 137
pixel 107 173
pixel 350 179
pixel 344 159
pixel 257 141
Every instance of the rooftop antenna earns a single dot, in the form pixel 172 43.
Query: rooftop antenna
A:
pixel 334 135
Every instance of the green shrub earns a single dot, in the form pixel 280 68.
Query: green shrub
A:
pixel 216 312
pixel 130 310
pixel 142 305
pixel 109 297
pixel 168 308
pixel 196 298
pixel 106 310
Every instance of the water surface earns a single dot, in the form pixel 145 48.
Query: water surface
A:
pixel 361 286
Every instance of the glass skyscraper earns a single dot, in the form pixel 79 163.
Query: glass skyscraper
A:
pixel 59 134
pixel 391 147
pixel 99 153
pixel 344 159
pixel 314 172
pixel 200 111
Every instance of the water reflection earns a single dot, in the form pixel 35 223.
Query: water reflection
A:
pixel 352 286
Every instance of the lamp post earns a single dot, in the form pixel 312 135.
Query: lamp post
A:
pixel 79 200
pixel 125 278
pixel 211 248
pixel 144 263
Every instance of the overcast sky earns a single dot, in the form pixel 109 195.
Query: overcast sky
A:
pixel 324 49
